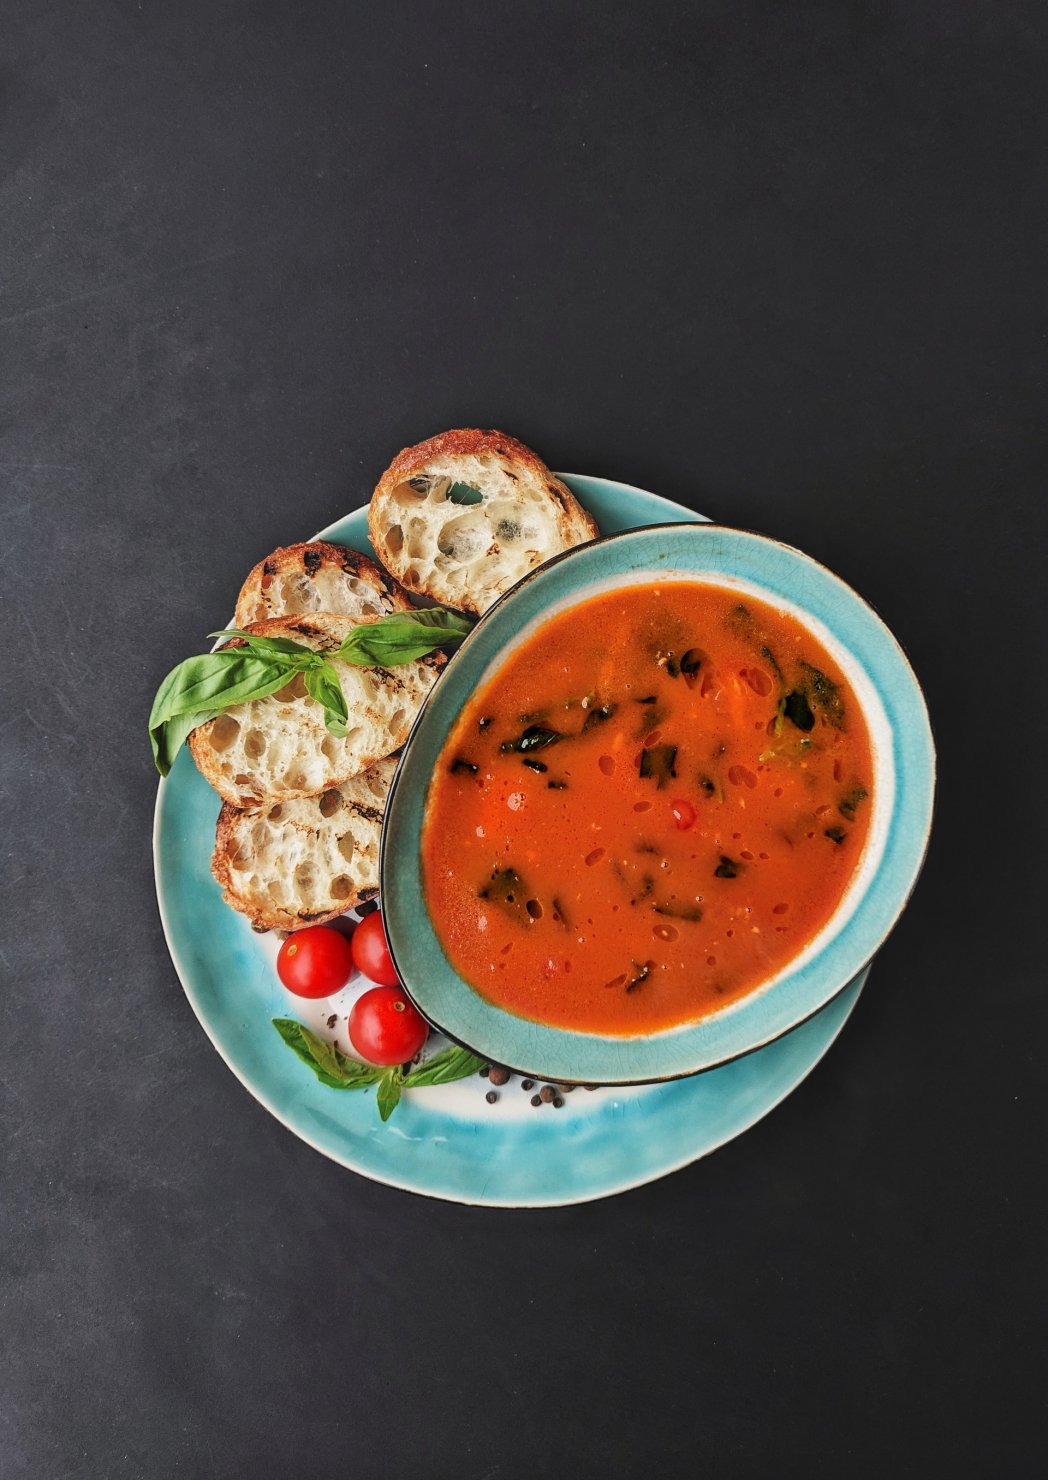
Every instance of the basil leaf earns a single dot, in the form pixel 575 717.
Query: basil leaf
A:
pixel 444 1068
pixel 387 1096
pixel 199 688
pixel 849 803
pixel 769 658
pixel 322 685
pixel 727 868
pixel 643 971
pixel 331 1067
pixel 711 787
pixel 323 1053
pixel 169 736
pixel 207 682
pixel 679 910
pixel 464 493
pixel 263 646
pixel 508 890
pixel 825 695
pixel 402 637
pixel 798 711
pixel 597 717
pixel 535 737
pixel 658 763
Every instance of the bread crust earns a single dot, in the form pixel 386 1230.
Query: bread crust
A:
pixel 260 600
pixel 469 442
pixel 573 525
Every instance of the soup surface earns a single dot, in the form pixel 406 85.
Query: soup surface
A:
pixel 655 803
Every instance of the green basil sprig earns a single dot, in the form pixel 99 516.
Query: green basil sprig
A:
pixel 403 636
pixel 338 1071
pixel 204 686
pixel 444 1068
pixel 329 1064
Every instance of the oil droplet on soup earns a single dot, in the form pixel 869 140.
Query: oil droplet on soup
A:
pixel 614 720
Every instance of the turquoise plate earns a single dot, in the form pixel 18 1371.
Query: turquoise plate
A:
pixel 448 1142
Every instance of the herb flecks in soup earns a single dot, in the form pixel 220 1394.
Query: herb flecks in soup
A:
pixel 656 802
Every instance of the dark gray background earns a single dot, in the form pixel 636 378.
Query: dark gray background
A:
pixel 782 262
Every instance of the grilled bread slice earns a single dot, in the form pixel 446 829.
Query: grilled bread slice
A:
pixel 300 579
pixel 462 517
pixel 273 749
pixel 305 861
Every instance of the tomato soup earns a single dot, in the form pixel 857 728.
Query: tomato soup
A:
pixel 655 803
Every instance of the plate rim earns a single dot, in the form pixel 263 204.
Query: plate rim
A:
pixel 623 1185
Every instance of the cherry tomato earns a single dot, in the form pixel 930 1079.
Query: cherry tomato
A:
pixel 315 962
pixel 684 814
pixel 385 1028
pixel 371 953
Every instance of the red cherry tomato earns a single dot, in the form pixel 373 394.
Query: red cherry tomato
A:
pixel 385 1028
pixel 684 814
pixel 315 962
pixel 371 953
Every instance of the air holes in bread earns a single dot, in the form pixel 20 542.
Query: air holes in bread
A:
pixel 330 803
pixel 464 538
pixel 330 838
pixel 472 499
pixel 223 732
pixel 296 689
pixel 254 744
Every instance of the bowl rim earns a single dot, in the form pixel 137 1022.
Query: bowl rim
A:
pixel 708 527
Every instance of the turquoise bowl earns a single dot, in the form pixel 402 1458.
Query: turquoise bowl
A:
pixel 904 783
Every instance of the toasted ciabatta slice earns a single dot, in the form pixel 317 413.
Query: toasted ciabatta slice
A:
pixel 304 861
pixel 463 516
pixel 274 748
pixel 300 579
